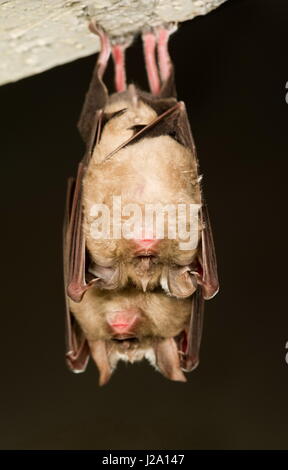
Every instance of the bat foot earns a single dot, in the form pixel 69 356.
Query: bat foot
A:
pixel 159 37
pixel 165 64
pixel 118 53
pixel 105 47
pixel 149 44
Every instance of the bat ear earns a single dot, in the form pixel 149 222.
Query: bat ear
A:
pixel 167 360
pixel 207 257
pixel 99 353
pixel 178 281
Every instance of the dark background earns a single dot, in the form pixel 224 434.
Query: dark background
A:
pixel 231 71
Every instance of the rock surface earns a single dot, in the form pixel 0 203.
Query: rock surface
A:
pixel 37 35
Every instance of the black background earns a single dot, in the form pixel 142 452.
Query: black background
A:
pixel 231 71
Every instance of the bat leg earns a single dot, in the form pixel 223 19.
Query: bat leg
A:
pixel 105 47
pixel 97 94
pixel 164 60
pixel 149 45
pixel 118 53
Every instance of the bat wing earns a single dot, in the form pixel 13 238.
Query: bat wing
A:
pixel 77 350
pixel 168 122
pixel 89 125
pixel 77 279
pixel 208 286
pixel 190 339
pixel 207 257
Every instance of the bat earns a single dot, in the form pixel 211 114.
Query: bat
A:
pixel 138 146
pixel 131 325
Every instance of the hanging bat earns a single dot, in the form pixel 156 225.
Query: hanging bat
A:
pixel 139 146
pixel 131 325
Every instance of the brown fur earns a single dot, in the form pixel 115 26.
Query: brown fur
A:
pixel 153 170
pixel 161 315
pixel 161 318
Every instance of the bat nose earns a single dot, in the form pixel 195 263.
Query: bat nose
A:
pixel 123 321
pixel 146 246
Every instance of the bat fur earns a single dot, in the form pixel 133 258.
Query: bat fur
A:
pixel 117 307
pixel 159 318
pixel 153 170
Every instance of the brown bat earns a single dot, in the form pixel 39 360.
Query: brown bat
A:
pixel 130 325
pixel 138 146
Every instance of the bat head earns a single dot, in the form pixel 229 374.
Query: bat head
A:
pixel 149 269
pixel 131 325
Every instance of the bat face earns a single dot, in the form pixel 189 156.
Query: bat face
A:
pixel 146 187
pixel 115 315
pixel 131 325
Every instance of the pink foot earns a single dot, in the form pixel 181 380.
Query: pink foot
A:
pixel 164 60
pixel 118 52
pixel 105 48
pixel 149 43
